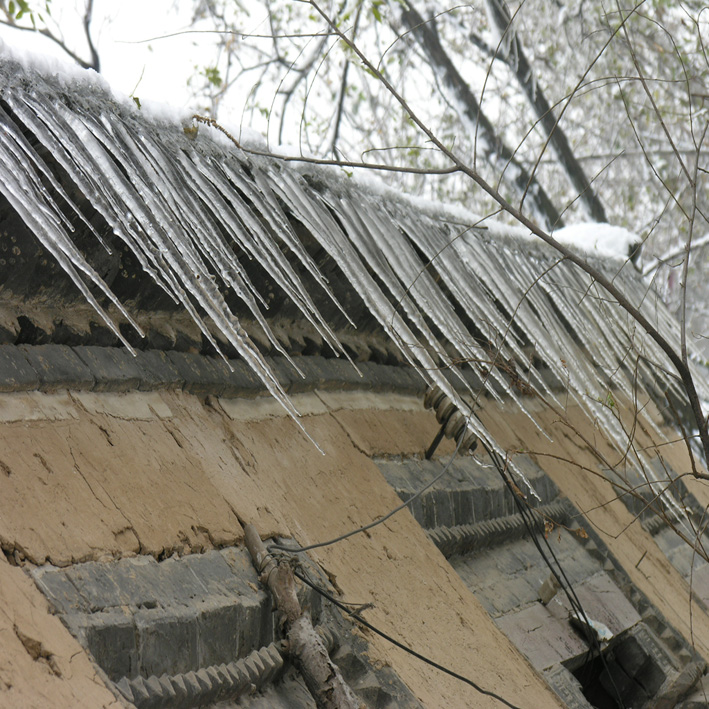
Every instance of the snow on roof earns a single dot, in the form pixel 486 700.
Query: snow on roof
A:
pixel 65 72
pixel 599 240
pixel 596 239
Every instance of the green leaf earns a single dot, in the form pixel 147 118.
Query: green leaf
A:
pixel 213 76
pixel 376 4
pixel 137 101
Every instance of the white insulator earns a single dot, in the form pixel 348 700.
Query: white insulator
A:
pixel 455 425
pixel 445 410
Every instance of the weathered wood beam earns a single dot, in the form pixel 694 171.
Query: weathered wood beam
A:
pixel 309 654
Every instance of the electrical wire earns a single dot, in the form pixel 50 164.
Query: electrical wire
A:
pixel 525 513
pixel 405 648
pixel 381 520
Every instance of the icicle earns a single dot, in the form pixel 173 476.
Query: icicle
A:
pixel 25 192
pixel 49 176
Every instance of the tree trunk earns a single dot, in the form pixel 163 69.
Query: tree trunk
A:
pixel 491 145
pixel 511 51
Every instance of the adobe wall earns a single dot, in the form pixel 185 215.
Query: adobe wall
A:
pixel 569 460
pixel 97 475
pixel 93 468
pixel 41 665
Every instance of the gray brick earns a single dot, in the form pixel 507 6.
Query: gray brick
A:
pixel 113 368
pixel 157 371
pixel 192 686
pixel 566 686
pixel 394 472
pixel 178 586
pixel 16 373
pixel 273 660
pixel 284 370
pixel 239 677
pixel 59 590
pixel 219 687
pixel 129 582
pixel 217 634
pixel 255 628
pixel 206 684
pixel 444 539
pixel 111 639
pixel 168 691
pixel 155 694
pixel 386 378
pixel 503 596
pixel 208 613
pixel 444 508
pixel 630 656
pixel 241 566
pixel 492 502
pixel 167 641
pixel 182 694
pixel 58 367
pixel 321 373
pixel 213 572
pixel 428 510
pixel 544 639
pixel 255 667
pixel 507 562
pixel 416 508
pixel 141 693
pixel 226 681
pixel 202 375
pixel 135 579
pixel 97 584
pixel 242 381
pixel 125 688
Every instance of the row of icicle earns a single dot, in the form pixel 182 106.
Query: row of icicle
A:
pixel 171 200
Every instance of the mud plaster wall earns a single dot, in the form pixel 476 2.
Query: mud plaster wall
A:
pixel 41 665
pixel 96 476
pixel 635 549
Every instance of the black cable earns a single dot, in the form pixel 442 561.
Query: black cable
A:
pixel 528 520
pixel 434 444
pixel 400 645
pixel 566 585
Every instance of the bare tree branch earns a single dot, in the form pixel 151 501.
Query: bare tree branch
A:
pixel 88 16
pixel 614 291
pixel 94 63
